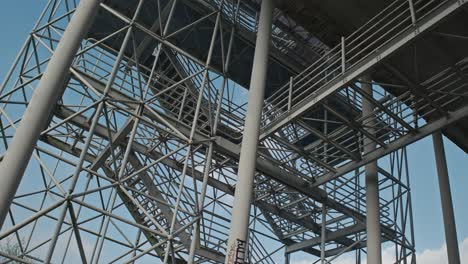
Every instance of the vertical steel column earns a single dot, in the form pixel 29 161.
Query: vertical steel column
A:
pixel 374 250
pixel 323 234
pixel 446 199
pixel 237 243
pixel 42 102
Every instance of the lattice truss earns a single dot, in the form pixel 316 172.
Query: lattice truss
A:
pixel 315 125
pixel 139 160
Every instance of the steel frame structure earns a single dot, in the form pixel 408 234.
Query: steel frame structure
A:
pixel 138 159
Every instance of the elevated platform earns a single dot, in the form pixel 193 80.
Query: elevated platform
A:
pixel 189 34
pixel 428 50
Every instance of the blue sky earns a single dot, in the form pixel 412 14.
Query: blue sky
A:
pixel 18 17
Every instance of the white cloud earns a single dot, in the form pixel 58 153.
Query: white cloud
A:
pixel 300 262
pixel 427 256
pixel 439 256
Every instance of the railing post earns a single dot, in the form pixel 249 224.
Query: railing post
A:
pixel 412 11
pixel 323 234
pixel 343 55
pixel 290 93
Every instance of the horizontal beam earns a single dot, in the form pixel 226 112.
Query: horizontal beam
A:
pixel 307 223
pixel 330 236
pixel 395 145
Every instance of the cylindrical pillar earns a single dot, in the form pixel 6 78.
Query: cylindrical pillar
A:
pixel 237 243
pixel 374 249
pixel 323 234
pixel 446 200
pixel 42 102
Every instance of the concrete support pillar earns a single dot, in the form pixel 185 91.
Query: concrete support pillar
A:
pixel 42 102
pixel 237 243
pixel 374 249
pixel 446 200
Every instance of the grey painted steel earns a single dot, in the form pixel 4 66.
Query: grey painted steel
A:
pixel 46 94
pixel 323 234
pixel 226 147
pixel 446 199
pixel 374 239
pixel 385 51
pixel 248 156
pixel 330 236
pixel 291 208
pixel 399 143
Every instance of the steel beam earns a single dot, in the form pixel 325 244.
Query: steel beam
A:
pixel 446 199
pixel 395 145
pixel 330 236
pixel 40 107
pixel 238 234
pixel 374 241
pixel 307 223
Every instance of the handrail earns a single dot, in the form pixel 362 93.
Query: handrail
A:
pixel 392 21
